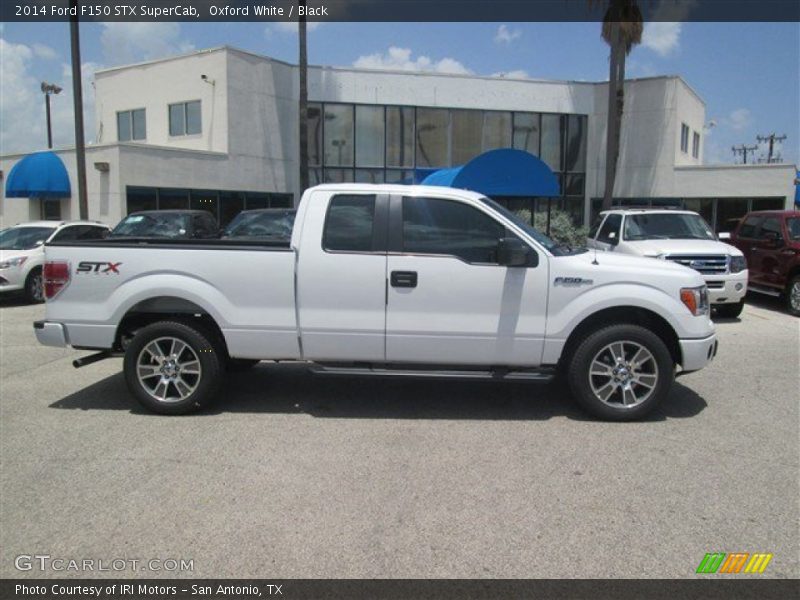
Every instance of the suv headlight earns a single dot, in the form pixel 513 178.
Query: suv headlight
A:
pixel 738 264
pixel 696 300
pixel 13 262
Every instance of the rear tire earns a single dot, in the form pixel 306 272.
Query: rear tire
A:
pixel 174 368
pixel 621 372
pixel 793 296
pixel 34 286
pixel 729 311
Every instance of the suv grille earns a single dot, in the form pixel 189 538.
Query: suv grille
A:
pixel 709 264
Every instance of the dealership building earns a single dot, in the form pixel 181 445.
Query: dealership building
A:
pixel 218 130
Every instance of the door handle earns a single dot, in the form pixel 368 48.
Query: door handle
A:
pixel 406 279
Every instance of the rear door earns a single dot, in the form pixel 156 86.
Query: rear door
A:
pixel 745 240
pixel 765 253
pixel 341 277
pixel 449 301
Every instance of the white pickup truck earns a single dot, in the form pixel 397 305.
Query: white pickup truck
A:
pixel 382 280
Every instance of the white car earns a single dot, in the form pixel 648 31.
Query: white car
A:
pixel 680 236
pixel 22 251
pixel 385 280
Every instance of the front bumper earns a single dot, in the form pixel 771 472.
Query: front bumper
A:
pixel 50 334
pixel 11 280
pixel 696 354
pixel 727 289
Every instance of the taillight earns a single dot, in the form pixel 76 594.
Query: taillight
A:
pixel 56 277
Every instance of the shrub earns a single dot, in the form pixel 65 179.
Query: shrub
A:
pixel 562 228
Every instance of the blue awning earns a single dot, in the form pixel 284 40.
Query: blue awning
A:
pixel 41 174
pixel 502 172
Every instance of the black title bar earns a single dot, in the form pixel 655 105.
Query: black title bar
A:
pixel 390 10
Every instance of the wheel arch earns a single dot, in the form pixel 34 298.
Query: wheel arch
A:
pixel 163 308
pixel 623 315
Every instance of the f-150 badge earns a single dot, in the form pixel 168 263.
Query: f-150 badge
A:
pixel 572 281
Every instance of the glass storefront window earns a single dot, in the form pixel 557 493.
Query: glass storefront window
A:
pixel 398 176
pixel 768 204
pixel 256 200
pixel 338 135
pixel 204 200
pixel 369 136
pixel 432 137
pixel 729 211
pixel 702 206
pixel 314 133
pixel 399 136
pixel 496 130
pixel 369 175
pixel 139 199
pixel 575 159
pixel 526 132
pixel 574 184
pixel 338 175
pixel 230 205
pixel 172 199
pixel 467 135
pixel 551 141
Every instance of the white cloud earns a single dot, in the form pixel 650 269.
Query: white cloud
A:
pixel 400 59
pixel 125 43
pixel 22 121
pixel 505 35
pixel 738 119
pixel 662 37
pixel 515 74
pixel 44 52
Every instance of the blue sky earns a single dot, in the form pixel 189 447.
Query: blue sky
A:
pixel 748 73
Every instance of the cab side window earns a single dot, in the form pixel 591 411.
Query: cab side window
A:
pixel 445 227
pixel 770 229
pixel 349 223
pixel 609 232
pixel 749 227
pixel 68 234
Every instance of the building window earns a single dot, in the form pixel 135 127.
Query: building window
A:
pixel 51 209
pixel 131 125
pixel 684 138
pixel 370 129
pixel 526 132
pixel 185 118
pixel 314 134
pixel 696 145
pixel 399 136
pixel 338 135
pixel 496 130
pixel 551 141
pixel 433 140
pixel 575 155
pixel 466 135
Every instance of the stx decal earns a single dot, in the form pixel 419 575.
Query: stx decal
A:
pixel 89 266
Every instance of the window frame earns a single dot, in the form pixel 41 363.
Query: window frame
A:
pixel 695 144
pixel 684 138
pixel 129 112
pixel 185 120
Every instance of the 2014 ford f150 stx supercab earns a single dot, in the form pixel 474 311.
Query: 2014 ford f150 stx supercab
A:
pixel 387 280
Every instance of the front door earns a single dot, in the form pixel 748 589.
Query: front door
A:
pixel 449 301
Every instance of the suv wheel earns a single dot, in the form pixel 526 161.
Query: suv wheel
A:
pixel 793 296
pixel 34 286
pixel 729 311
pixel 173 368
pixel 621 372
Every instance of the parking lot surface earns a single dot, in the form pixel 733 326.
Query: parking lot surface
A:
pixel 295 475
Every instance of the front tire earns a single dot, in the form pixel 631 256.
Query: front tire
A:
pixel 174 368
pixel 34 286
pixel 729 311
pixel 621 372
pixel 793 296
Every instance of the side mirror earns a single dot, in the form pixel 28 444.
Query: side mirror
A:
pixel 612 238
pixel 513 252
pixel 724 235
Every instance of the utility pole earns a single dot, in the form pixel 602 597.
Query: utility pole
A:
pixel 77 96
pixel 771 138
pixel 47 89
pixel 743 150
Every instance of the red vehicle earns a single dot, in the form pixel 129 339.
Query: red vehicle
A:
pixel 770 242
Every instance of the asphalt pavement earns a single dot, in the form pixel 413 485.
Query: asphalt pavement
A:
pixel 297 475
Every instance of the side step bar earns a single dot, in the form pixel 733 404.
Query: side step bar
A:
pixel 543 375
pixel 764 290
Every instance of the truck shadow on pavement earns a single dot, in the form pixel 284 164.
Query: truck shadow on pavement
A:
pixel 287 389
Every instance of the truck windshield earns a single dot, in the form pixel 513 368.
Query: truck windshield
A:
pixel 24 238
pixel 667 226
pixel 160 225
pixel 545 241
pixel 793 226
pixel 276 224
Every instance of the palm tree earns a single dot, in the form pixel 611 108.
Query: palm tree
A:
pixel 303 104
pixel 622 30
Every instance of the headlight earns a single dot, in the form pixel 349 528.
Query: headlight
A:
pixel 696 300
pixel 13 262
pixel 738 264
